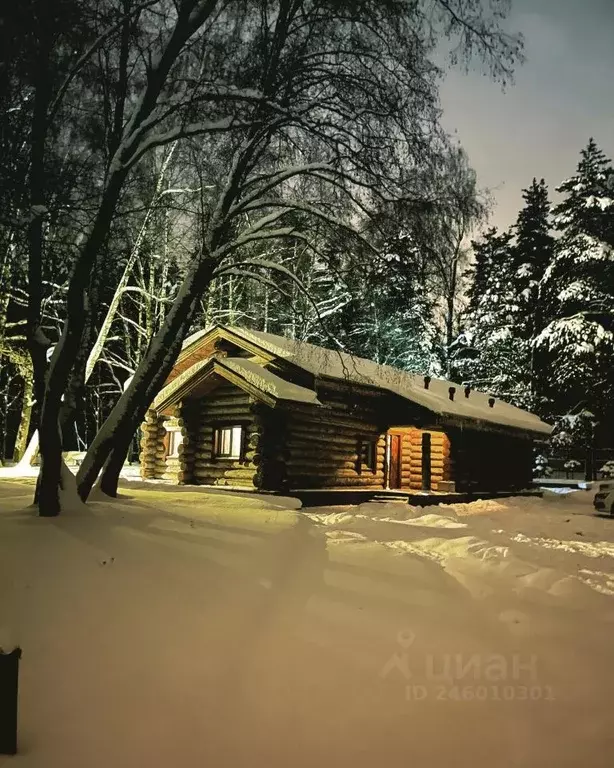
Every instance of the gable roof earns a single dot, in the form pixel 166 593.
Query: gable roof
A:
pixel 259 380
pixel 335 365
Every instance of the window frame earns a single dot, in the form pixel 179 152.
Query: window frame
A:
pixel 171 432
pixel 231 426
pixel 371 464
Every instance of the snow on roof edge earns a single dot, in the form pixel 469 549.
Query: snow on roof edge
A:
pixel 338 365
pixel 410 386
pixel 268 382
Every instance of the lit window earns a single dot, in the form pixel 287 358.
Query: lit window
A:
pixel 367 451
pixel 175 438
pixel 228 442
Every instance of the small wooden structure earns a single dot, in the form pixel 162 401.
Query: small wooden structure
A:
pixel 253 410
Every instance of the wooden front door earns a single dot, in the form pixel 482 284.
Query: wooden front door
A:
pixel 394 470
pixel 426 461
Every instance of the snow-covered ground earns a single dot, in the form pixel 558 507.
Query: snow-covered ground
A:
pixel 183 627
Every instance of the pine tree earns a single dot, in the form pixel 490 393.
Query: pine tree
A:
pixel 531 255
pixel 532 251
pixel 390 316
pixel 588 208
pixel 491 353
pixel 487 254
pixel 577 294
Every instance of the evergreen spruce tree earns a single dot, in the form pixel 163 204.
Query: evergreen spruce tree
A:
pixel 487 254
pixel 576 343
pixel 491 353
pixel 532 251
pixel 588 208
pixel 531 255
pixel 390 318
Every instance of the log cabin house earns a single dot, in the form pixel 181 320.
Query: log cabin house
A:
pixel 253 410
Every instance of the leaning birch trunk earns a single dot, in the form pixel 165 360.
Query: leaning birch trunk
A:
pixel 112 441
pixel 82 370
pixel 51 477
pixel 105 328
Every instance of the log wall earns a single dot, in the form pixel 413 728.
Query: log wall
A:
pixel 152 446
pixel 269 436
pixel 180 469
pixel 411 457
pixel 488 461
pixel 321 444
pixel 226 405
pixel 305 446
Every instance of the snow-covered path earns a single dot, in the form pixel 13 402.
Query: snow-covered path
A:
pixel 188 628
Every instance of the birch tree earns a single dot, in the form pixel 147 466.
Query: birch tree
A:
pixel 140 127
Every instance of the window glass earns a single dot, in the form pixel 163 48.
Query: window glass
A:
pixel 237 435
pixel 366 454
pixel 228 441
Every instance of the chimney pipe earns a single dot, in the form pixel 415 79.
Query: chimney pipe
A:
pixel 451 391
pixel 427 381
pixel 491 402
pixel 467 390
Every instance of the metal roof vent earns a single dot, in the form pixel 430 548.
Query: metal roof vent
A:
pixel 427 381
pixel 451 391
pixel 491 402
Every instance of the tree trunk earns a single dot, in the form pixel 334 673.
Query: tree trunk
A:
pixel 37 342
pixel 451 308
pixel 109 478
pixel 47 495
pixel 129 411
pixel 21 442
pixel 75 390
pixel 112 441
pixel 449 334
pixel 66 354
pixel 30 453
pixel 5 277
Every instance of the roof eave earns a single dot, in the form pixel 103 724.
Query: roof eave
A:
pixel 469 422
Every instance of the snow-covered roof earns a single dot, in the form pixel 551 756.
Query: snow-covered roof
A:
pixel 334 364
pixel 268 382
pixel 261 378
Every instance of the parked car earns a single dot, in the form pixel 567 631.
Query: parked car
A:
pixel 604 498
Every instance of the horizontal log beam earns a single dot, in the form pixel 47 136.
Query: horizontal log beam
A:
pixel 221 463
pixel 332 443
pixel 342 473
pixel 231 474
pixel 315 483
pixel 334 451
pixel 329 422
pixel 223 483
pixel 331 466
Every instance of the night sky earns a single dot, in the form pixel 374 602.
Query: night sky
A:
pixel 562 95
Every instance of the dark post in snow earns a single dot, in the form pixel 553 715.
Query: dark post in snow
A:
pixel 9 676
